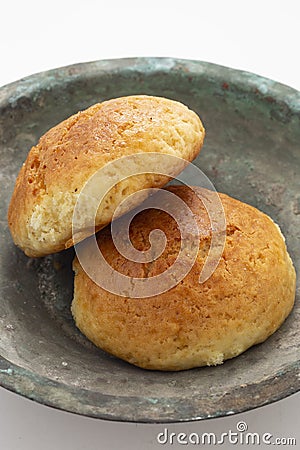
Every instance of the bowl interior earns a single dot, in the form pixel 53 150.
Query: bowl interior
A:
pixel 251 153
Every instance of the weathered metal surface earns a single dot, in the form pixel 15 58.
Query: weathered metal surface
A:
pixel 252 152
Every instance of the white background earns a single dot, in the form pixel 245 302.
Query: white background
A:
pixel 259 36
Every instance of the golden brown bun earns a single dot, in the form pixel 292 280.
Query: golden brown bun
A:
pixel 245 300
pixel 56 169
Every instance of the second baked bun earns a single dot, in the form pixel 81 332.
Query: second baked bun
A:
pixel 244 301
pixel 56 169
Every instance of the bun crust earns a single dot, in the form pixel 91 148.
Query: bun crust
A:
pixel 243 302
pixel 56 169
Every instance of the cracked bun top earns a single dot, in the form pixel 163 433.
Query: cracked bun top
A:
pixel 193 324
pixel 56 169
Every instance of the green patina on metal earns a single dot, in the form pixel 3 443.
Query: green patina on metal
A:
pixel 252 152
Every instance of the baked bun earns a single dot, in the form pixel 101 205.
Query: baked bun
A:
pixel 56 169
pixel 244 301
